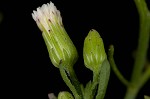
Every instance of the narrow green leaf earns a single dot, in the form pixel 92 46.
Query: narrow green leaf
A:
pixel 87 91
pixel 103 80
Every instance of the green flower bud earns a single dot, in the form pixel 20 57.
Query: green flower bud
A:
pixel 65 95
pixel 60 47
pixel 93 51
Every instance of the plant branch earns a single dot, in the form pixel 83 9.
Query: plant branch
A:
pixel 143 41
pixel 68 82
pixel 75 81
pixel 114 67
pixel 145 76
pixel 138 79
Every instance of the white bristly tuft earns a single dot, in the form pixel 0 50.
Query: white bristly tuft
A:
pixel 47 15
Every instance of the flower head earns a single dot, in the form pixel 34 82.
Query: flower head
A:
pixel 47 15
pixel 59 45
pixel 93 51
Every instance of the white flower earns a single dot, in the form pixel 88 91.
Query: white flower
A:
pixel 60 47
pixel 47 15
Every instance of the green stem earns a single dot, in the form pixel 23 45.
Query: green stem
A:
pixel 133 90
pixel 144 77
pixel 75 81
pixel 143 41
pixel 94 84
pixel 137 81
pixel 131 93
pixel 68 82
pixel 114 67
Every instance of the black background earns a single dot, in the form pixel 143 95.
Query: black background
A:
pixel 26 69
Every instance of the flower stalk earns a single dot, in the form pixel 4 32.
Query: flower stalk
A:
pixel 62 51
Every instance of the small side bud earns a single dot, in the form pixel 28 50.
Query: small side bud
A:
pixel 93 51
pixel 65 95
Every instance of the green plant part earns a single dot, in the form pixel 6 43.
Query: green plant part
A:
pixel 65 95
pixel 63 55
pixel 59 45
pixel 139 75
pixel 146 97
pixel 95 59
pixel 62 51
pixel 93 51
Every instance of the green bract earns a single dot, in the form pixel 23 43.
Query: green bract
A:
pixel 59 45
pixel 93 51
pixel 65 95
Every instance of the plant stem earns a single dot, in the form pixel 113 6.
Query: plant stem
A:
pixel 131 93
pixel 68 82
pixel 114 67
pixel 133 90
pixel 141 53
pixel 75 82
pixel 145 76
pixel 143 42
